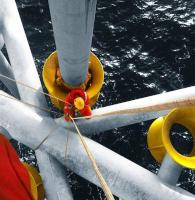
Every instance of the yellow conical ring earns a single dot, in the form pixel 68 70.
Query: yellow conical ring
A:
pixel 37 188
pixel 49 79
pixel 159 136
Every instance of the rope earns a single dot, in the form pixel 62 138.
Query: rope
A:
pixel 50 133
pixel 181 103
pixel 101 179
pixel 31 105
pixel 37 107
pixel 32 88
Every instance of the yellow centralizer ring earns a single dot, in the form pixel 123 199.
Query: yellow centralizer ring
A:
pixel 37 188
pixel 158 138
pixel 58 93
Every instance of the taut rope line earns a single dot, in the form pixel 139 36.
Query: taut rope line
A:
pixel 32 88
pixel 101 179
pixel 29 104
pixel 154 107
pixel 50 133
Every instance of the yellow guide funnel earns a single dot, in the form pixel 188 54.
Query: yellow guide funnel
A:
pixel 158 138
pixel 37 189
pixel 58 94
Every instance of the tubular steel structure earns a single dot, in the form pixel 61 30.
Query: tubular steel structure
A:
pixel 73 28
pixel 24 70
pixel 73 23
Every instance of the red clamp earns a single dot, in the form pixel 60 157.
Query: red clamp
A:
pixel 77 100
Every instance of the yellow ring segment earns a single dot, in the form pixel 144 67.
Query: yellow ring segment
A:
pixel 37 188
pixel 159 136
pixel 49 78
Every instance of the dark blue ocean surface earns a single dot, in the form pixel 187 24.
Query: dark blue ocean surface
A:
pixel 147 47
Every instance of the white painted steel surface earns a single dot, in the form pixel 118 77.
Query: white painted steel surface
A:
pixel 169 171
pixel 54 176
pixel 6 70
pixel 73 23
pixel 24 71
pixel 125 178
pixel 19 52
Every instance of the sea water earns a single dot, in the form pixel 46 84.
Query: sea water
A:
pixel 147 47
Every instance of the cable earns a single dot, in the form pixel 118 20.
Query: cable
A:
pixel 101 179
pixel 33 89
